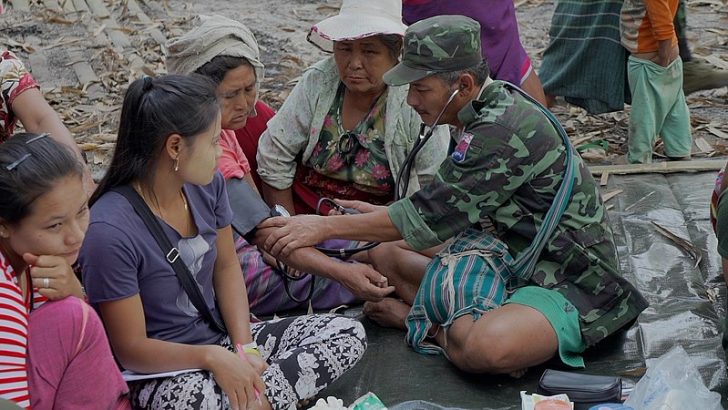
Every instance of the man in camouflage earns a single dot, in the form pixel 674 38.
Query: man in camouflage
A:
pixel 501 178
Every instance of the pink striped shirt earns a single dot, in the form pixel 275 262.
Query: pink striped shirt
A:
pixel 14 312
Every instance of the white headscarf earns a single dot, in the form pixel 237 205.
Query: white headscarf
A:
pixel 214 36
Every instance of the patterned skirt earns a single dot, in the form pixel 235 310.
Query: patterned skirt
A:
pixel 305 354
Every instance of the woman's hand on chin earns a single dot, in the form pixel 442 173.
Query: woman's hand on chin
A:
pixel 53 276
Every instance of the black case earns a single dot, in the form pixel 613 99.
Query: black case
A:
pixel 585 390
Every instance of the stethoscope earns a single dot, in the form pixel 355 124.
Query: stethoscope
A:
pixel 399 191
pixel 403 176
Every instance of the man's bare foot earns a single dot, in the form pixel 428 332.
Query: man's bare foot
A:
pixel 518 373
pixel 389 312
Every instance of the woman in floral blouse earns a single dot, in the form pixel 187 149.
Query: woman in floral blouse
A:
pixel 342 133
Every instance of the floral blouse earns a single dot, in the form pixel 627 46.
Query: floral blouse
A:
pixel 356 157
pixel 293 133
pixel 14 79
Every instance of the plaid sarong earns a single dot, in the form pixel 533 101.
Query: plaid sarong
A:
pixel 585 61
pixel 467 277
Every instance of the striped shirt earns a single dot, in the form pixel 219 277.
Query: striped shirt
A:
pixel 645 22
pixel 14 313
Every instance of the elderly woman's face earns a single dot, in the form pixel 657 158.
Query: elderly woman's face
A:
pixel 362 63
pixel 237 93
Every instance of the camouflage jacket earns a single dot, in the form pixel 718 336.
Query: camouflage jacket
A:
pixel 505 170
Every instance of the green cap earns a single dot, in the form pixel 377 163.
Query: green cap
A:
pixel 438 44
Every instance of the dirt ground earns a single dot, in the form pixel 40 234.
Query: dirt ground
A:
pixel 84 53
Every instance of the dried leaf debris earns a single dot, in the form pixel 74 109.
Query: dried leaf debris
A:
pixel 82 36
pixel 681 242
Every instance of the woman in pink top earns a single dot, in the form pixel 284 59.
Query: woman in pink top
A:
pixel 226 51
pixel 51 342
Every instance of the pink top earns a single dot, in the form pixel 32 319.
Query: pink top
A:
pixel 14 312
pixel 232 163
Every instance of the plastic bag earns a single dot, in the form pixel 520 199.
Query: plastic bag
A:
pixel 330 403
pixel 421 405
pixel 369 401
pixel 672 381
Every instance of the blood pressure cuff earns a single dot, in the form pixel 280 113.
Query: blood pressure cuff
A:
pixel 248 208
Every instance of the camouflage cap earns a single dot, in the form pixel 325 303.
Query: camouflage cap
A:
pixel 438 44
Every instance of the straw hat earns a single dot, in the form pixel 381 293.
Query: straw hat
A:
pixel 358 19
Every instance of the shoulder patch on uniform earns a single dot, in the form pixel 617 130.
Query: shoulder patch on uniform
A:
pixel 458 155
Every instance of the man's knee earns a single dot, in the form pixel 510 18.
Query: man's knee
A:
pixel 384 257
pixel 484 352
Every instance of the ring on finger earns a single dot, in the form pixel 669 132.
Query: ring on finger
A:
pixel 46 282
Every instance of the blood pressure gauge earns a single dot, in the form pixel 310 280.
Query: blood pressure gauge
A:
pixel 279 210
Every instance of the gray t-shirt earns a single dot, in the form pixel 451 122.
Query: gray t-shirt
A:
pixel 120 259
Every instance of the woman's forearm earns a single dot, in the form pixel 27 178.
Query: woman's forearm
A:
pixel 125 325
pixel 284 197
pixel 52 124
pixel 230 291
pixel 157 356
pixel 232 298
pixel 307 260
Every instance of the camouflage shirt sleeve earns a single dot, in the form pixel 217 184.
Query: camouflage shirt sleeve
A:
pixel 476 181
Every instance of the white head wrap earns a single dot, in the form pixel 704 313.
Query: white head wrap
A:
pixel 214 36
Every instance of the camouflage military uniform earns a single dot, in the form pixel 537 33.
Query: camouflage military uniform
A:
pixel 509 173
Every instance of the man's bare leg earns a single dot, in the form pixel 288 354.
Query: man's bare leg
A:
pixel 404 269
pixel 389 312
pixel 505 340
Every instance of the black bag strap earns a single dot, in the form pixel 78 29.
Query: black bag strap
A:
pixel 172 255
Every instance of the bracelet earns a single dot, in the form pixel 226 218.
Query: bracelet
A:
pixel 249 348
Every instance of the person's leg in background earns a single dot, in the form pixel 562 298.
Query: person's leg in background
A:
pixel 643 126
pixel 532 86
pixel 675 131
pixel 698 74
pixel 584 61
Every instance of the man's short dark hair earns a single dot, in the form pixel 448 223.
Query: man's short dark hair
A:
pixel 480 72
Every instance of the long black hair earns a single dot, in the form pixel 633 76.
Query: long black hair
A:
pixel 30 165
pixel 153 109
